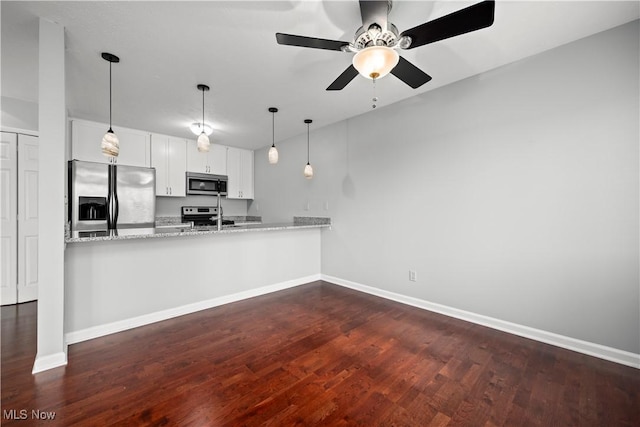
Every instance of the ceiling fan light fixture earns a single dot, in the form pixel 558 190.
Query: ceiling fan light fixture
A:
pixel 375 62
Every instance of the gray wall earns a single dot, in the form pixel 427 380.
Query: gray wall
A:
pixel 18 114
pixel 513 194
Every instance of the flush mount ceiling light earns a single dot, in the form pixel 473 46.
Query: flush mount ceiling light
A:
pixel 273 151
pixel 196 128
pixel 110 143
pixel 308 170
pixel 203 139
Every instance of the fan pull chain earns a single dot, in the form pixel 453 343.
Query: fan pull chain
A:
pixel 375 98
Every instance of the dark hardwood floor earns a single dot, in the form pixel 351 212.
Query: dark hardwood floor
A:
pixel 317 354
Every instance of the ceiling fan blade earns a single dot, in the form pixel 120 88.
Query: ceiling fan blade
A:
pixel 410 74
pixel 343 79
pixel 472 18
pixel 374 12
pixel 315 43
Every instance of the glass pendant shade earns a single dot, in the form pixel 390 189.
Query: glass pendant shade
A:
pixel 308 171
pixel 203 143
pixel 376 61
pixel 273 155
pixel 110 144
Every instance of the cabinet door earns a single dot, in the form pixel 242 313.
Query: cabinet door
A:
pixel 240 172
pixel 134 147
pixel 159 161
pixel 246 172
pixel 177 162
pixel 168 157
pixel 196 161
pixel 218 159
pixel 234 187
pixel 86 139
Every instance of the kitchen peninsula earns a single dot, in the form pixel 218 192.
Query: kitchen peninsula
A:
pixel 185 230
pixel 118 282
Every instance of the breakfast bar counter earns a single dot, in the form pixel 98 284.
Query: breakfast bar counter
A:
pixel 122 280
pixel 176 230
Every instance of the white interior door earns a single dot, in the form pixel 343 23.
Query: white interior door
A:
pixel 8 218
pixel 27 218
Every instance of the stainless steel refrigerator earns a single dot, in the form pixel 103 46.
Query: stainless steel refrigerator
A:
pixel 110 196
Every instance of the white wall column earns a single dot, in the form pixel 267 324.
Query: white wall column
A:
pixel 52 351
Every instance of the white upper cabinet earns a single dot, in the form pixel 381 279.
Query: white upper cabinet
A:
pixel 86 138
pixel 240 172
pixel 169 157
pixel 213 161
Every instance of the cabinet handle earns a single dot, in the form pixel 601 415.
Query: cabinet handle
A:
pixel 170 191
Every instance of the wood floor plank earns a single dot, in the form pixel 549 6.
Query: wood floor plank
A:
pixel 317 354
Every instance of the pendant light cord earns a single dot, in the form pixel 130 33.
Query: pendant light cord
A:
pixel 202 110
pixel 307 143
pixel 111 130
pixel 273 128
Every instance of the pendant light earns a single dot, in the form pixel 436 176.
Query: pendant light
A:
pixel 273 151
pixel 110 144
pixel 203 139
pixel 308 170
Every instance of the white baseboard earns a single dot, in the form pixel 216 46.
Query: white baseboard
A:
pixel 585 347
pixel 50 361
pixel 122 325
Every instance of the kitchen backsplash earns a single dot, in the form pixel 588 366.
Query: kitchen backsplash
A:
pixel 170 206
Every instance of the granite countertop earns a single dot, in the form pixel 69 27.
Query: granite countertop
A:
pixel 174 230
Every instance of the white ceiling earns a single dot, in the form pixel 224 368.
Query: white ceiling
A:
pixel 166 48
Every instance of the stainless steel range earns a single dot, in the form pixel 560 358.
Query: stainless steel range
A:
pixel 203 216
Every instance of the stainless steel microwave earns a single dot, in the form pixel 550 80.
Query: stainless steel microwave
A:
pixel 206 184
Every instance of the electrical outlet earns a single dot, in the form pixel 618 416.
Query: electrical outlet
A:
pixel 326 205
pixel 413 276
pixel 307 205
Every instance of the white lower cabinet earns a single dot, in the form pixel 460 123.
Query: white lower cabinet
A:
pixel 213 161
pixel 240 172
pixel 169 158
pixel 86 139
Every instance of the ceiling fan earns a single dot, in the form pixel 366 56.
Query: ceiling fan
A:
pixel 376 43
